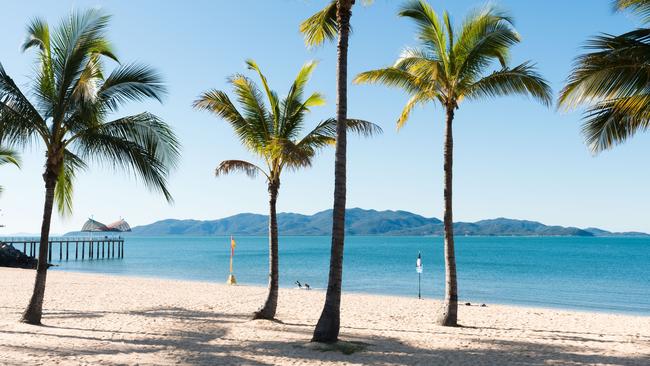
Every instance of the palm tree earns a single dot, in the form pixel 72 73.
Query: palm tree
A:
pixel 69 115
pixel 612 79
pixel 272 133
pixel 8 156
pixel 451 66
pixel 326 24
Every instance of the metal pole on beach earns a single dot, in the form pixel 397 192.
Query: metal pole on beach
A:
pixel 418 269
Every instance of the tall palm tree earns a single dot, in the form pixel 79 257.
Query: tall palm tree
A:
pixel 612 80
pixel 272 132
pixel 326 24
pixel 73 100
pixel 450 66
pixel 8 156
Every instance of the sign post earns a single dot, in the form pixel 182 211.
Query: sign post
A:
pixel 418 269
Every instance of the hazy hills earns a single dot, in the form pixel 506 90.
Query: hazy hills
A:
pixel 362 222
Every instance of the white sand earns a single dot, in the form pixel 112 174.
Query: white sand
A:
pixel 106 320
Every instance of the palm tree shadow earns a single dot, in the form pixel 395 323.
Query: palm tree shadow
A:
pixel 206 338
pixel 531 351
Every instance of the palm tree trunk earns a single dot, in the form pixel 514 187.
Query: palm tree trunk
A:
pixel 270 305
pixel 449 316
pixel 327 328
pixel 34 311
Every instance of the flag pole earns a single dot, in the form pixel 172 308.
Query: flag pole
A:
pixel 231 256
pixel 418 269
pixel 231 276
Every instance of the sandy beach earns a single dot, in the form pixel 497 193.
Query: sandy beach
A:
pixel 112 320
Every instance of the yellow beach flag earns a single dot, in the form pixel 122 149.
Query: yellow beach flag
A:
pixel 233 245
pixel 231 277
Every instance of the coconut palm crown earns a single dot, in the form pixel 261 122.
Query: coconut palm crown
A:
pixel 71 111
pixel 272 131
pixel 612 80
pixel 452 65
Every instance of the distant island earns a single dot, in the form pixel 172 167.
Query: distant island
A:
pixel 362 222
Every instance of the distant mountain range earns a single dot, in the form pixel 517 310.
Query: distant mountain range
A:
pixel 362 222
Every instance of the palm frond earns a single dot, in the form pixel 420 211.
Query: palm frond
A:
pixel 392 77
pixel 411 57
pixel 612 122
pixel 218 102
pixel 19 119
pixel 38 36
pixel 253 108
pixel 430 30
pixel 86 86
pixel 131 82
pixel 293 107
pixel 425 67
pixel 9 156
pixel 363 128
pixel 295 156
pixel 486 36
pixel 615 69
pixel 63 191
pixel 298 87
pixel 321 26
pixel 522 79
pixel 231 166
pixel 638 7
pixel 316 99
pixel 142 144
pixel 324 134
pixel 75 44
pixel 270 94
pixel 326 130
pixel 416 99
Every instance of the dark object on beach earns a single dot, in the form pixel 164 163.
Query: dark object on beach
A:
pixel 298 283
pixel 307 286
pixel 468 304
pixel 483 306
pixel 12 257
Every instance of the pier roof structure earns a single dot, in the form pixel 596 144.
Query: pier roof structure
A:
pixel 96 226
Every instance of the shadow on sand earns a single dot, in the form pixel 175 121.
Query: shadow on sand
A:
pixel 203 339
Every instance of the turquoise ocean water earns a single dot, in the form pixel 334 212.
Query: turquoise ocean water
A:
pixel 602 274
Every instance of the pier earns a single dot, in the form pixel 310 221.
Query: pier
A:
pixel 72 248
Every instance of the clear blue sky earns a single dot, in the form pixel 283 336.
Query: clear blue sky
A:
pixel 513 157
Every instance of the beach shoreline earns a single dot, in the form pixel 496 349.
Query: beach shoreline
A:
pixel 101 319
pixel 461 301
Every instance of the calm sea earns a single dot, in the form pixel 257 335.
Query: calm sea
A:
pixel 603 274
